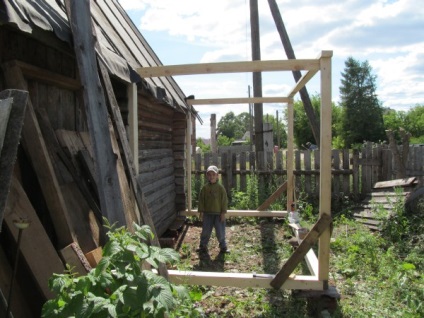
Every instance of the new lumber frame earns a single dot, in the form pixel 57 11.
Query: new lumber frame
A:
pixel 319 266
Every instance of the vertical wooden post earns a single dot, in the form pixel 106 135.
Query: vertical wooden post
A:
pixel 133 123
pixel 188 159
pixel 325 170
pixel 307 161
pixel 243 184
pixel 97 117
pixel 257 78
pixel 355 168
pixel 214 147
pixel 290 140
pixel 336 167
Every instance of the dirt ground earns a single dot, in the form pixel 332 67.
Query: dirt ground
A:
pixel 257 246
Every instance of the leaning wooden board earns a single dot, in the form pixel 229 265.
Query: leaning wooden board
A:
pixel 37 250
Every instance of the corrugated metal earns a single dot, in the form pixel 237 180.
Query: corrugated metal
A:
pixel 123 47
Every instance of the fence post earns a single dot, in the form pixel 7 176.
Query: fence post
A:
pixel 346 174
pixel 355 168
pixel 336 169
pixel 225 172
pixel 243 185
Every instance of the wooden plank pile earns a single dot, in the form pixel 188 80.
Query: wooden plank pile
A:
pixel 383 198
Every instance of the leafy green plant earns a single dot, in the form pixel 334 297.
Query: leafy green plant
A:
pixel 120 286
pixel 246 200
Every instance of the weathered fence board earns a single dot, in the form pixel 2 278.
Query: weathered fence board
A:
pixel 354 171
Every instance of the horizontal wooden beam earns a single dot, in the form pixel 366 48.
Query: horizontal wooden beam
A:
pixel 239 100
pixel 246 213
pixel 242 280
pixel 230 67
pixel 40 74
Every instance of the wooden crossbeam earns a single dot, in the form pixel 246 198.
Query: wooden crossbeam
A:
pixel 239 100
pixel 310 239
pixel 243 213
pixel 229 67
pixel 282 188
pixel 302 82
pixel 242 280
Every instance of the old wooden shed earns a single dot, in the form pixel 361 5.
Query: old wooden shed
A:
pixel 54 175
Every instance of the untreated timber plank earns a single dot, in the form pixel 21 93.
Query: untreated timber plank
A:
pixel 19 307
pixel 17 101
pixel 111 204
pixel 36 247
pixel 310 239
pixel 242 213
pixel 115 113
pixel 36 149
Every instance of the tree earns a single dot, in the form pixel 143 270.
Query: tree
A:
pixel 393 120
pixel 200 143
pixel 362 117
pixel 414 123
pixel 301 128
pixel 231 126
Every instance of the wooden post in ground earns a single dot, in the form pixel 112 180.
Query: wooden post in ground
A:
pixel 307 105
pixel 214 148
pixel 325 168
pixel 290 154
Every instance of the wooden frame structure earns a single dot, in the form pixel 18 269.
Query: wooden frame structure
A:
pixel 318 266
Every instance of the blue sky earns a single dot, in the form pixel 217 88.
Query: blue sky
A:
pixel 388 34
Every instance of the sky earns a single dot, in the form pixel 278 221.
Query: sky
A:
pixel 389 34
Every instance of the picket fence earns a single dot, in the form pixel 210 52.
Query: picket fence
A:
pixel 354 172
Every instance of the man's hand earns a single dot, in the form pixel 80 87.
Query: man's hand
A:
pixel 222 217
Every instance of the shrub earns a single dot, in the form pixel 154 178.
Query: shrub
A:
pixel 119 286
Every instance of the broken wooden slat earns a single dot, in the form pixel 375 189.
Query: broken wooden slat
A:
pixel 395 183
pixel 94 256
pixel 111 205
pixel 12 135
pixel 310 239
pixel 74 190
pixel 73 256
pixel 36 149
pixel 36 247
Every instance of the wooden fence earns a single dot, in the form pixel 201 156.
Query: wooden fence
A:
pixel 354 171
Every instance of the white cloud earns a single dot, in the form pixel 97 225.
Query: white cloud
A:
pixel 387 33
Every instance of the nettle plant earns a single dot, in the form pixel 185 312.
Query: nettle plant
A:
pixel 119 286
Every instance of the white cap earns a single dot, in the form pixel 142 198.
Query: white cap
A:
pixel 212 168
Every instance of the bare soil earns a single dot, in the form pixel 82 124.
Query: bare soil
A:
pixel 258 246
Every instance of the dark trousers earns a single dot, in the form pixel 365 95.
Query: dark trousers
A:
pixel 211 221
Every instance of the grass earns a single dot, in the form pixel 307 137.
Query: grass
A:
pixel 377 274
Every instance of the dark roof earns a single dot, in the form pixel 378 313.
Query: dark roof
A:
pixel 123 47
